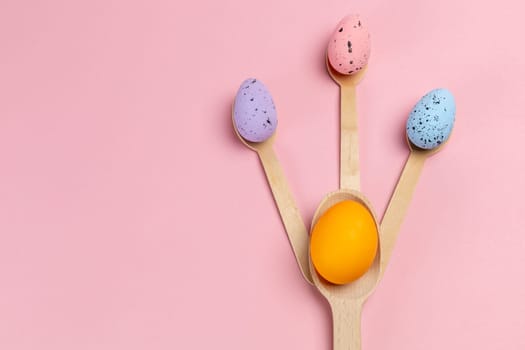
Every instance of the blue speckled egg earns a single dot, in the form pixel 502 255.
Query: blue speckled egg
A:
pixel 254 111
pixel 431 120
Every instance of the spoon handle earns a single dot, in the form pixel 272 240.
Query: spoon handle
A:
pixel 349 166
pixel 292 220
pixel 398 205
pixel 346 316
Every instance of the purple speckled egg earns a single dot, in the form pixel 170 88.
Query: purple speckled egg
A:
pixel 254 112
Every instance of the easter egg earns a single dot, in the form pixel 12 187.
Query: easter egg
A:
pixel 349 45
pixel 344 242
pixel 431 120
pixel 254 112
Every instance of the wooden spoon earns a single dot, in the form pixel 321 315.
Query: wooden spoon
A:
pixel 401 197
pixel 346 301
pixel 349 162
pixel 290 216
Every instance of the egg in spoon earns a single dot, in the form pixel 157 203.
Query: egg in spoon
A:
pixel 346 61
pixel 428 128
pixel 255 121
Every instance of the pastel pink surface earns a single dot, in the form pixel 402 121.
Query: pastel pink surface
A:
pixel 132 218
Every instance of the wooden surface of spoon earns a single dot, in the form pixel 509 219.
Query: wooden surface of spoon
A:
pixel 400 199
pixel 290 216
pixel 349 154
pixel 346 301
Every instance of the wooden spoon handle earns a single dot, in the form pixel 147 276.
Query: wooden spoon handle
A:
pixel 346 316
pixel 398 205
pixel 292 220
pixel 349 166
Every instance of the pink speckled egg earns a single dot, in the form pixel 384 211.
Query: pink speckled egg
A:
pixel 349 46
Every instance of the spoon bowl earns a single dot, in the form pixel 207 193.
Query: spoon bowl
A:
pixel 422 151
pixel 344 79
pixel 254 146
pixel 361 288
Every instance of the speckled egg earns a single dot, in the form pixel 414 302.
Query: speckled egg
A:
pixel 344 242
pixel 431 120
pixel 349 46
pixel 254 112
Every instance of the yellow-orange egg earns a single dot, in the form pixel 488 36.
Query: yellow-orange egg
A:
pixel 343 242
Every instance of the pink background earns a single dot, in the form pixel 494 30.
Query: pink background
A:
pixel 132 218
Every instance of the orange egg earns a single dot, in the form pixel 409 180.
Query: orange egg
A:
pixel 343 242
